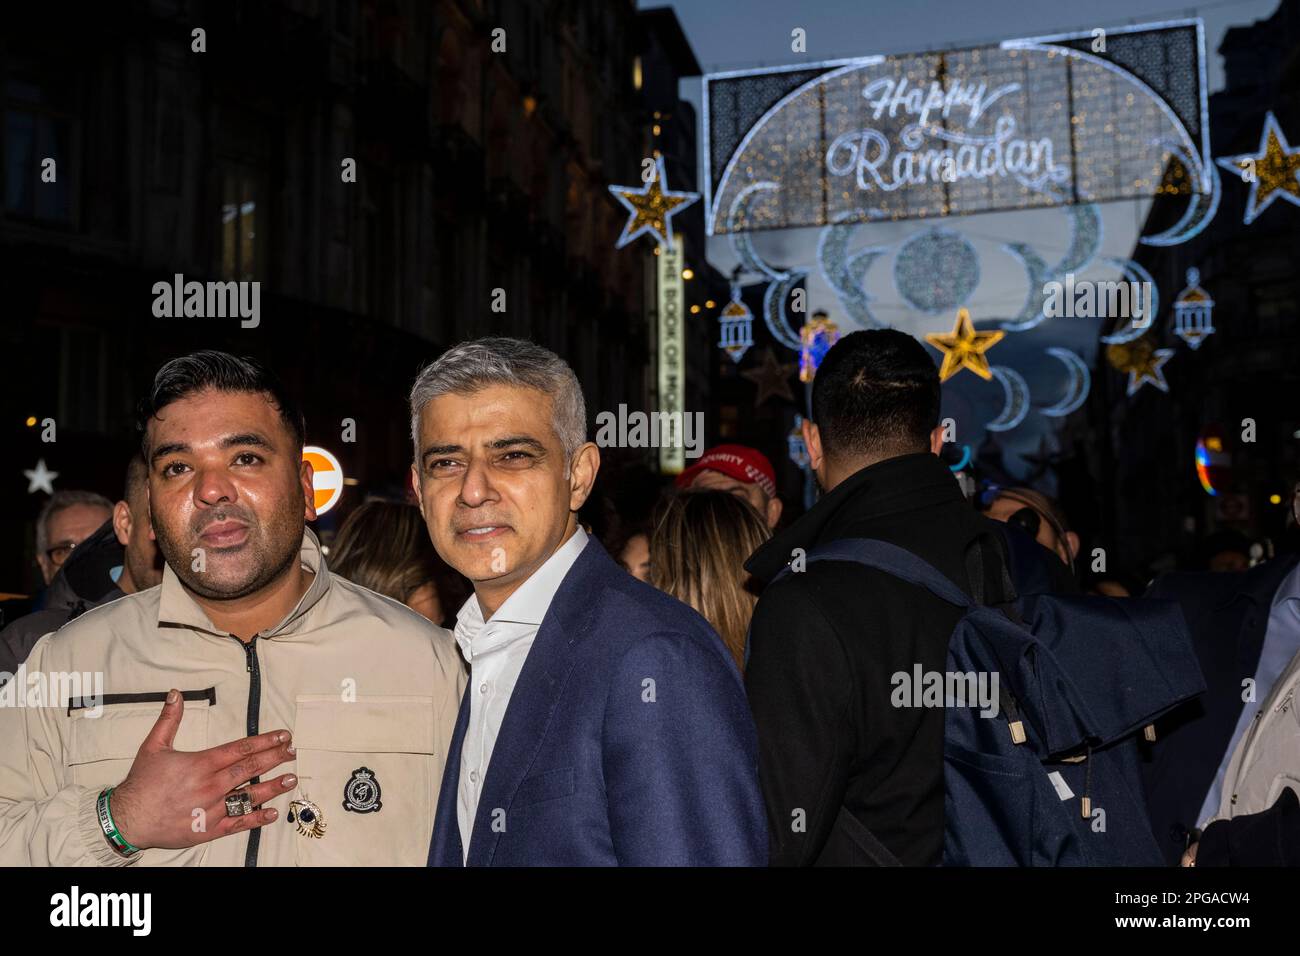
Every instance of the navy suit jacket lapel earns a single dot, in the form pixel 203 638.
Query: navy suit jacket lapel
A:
pixel 446 848
pixel 535 695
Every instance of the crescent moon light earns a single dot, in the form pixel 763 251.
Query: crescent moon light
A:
pixel 1080 383
pixel 844 273
pixel 1199 211
pixel 741 242
pixel 1085 240
pixel 774 309
pixel 1016 406
pixel 780 281
pixel 1133 272
pixel 1036 268
pixel 861 261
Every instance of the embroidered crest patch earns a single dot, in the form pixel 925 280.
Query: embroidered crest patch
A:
pixel 362 794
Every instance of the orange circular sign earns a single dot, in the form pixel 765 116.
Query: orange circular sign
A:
pixel 327 477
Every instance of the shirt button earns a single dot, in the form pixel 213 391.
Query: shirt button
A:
pixel 473 776
pixel 483 688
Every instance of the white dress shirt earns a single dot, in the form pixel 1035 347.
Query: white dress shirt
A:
pixel 496 650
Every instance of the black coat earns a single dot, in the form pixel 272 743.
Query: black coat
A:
pixel 82 583
pixel 1268 838
pixel 834 755
pixel 1227 616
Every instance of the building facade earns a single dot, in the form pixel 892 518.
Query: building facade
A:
pixel 397 175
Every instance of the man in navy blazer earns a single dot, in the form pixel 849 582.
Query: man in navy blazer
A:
pixel 604 722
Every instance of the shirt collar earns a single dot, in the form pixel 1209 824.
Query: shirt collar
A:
pixel 525 608
pixel 1289 589
pixel 176 606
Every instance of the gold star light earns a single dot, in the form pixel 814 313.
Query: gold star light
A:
pixel 963 347
pixel 772 378
pixel 1276 170
pixel 652 208
pixel 1141 361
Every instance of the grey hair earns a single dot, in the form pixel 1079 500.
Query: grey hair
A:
pixel 58 502
pixel 480 363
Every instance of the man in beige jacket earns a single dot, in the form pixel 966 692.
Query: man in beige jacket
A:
pixel 258 658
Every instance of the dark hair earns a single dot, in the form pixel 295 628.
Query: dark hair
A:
pixel 876 395
pixel 137 478
pixel 208 369
pixel 1221 541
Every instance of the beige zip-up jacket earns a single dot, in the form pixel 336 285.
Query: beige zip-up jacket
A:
pixel 1267 758
pixel 369 689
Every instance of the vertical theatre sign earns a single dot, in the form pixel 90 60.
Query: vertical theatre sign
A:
pixel 1090 117
pixel 672 359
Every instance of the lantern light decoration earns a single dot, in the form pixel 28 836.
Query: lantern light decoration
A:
pixel 816 338
pixel 737 326
pixel 1193 311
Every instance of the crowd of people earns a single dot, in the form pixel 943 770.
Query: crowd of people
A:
pixel 476 679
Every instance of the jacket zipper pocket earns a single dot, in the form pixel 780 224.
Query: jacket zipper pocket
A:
pixel 151 697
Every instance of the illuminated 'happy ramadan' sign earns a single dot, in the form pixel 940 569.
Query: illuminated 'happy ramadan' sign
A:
pixel 1027 123
pixel 930 153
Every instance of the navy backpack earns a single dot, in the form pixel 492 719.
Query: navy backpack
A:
pixel 1053 778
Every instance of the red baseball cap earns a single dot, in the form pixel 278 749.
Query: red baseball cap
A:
pixel 735 461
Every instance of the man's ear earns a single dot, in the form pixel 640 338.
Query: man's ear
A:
pixel 122 522
pixel 936 439
pixel 148 509
pixel 774 507
pixel 306 474
pixel 419 497
pixel 812 440
pixel 582 474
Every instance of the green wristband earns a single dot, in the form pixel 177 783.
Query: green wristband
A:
pixel 111 833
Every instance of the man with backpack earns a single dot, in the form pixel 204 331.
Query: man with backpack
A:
pixel 848 777
pixel 913 708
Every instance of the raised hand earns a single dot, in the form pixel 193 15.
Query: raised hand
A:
pixel 154 806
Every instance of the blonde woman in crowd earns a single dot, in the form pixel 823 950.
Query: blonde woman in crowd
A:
pixel 698 549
